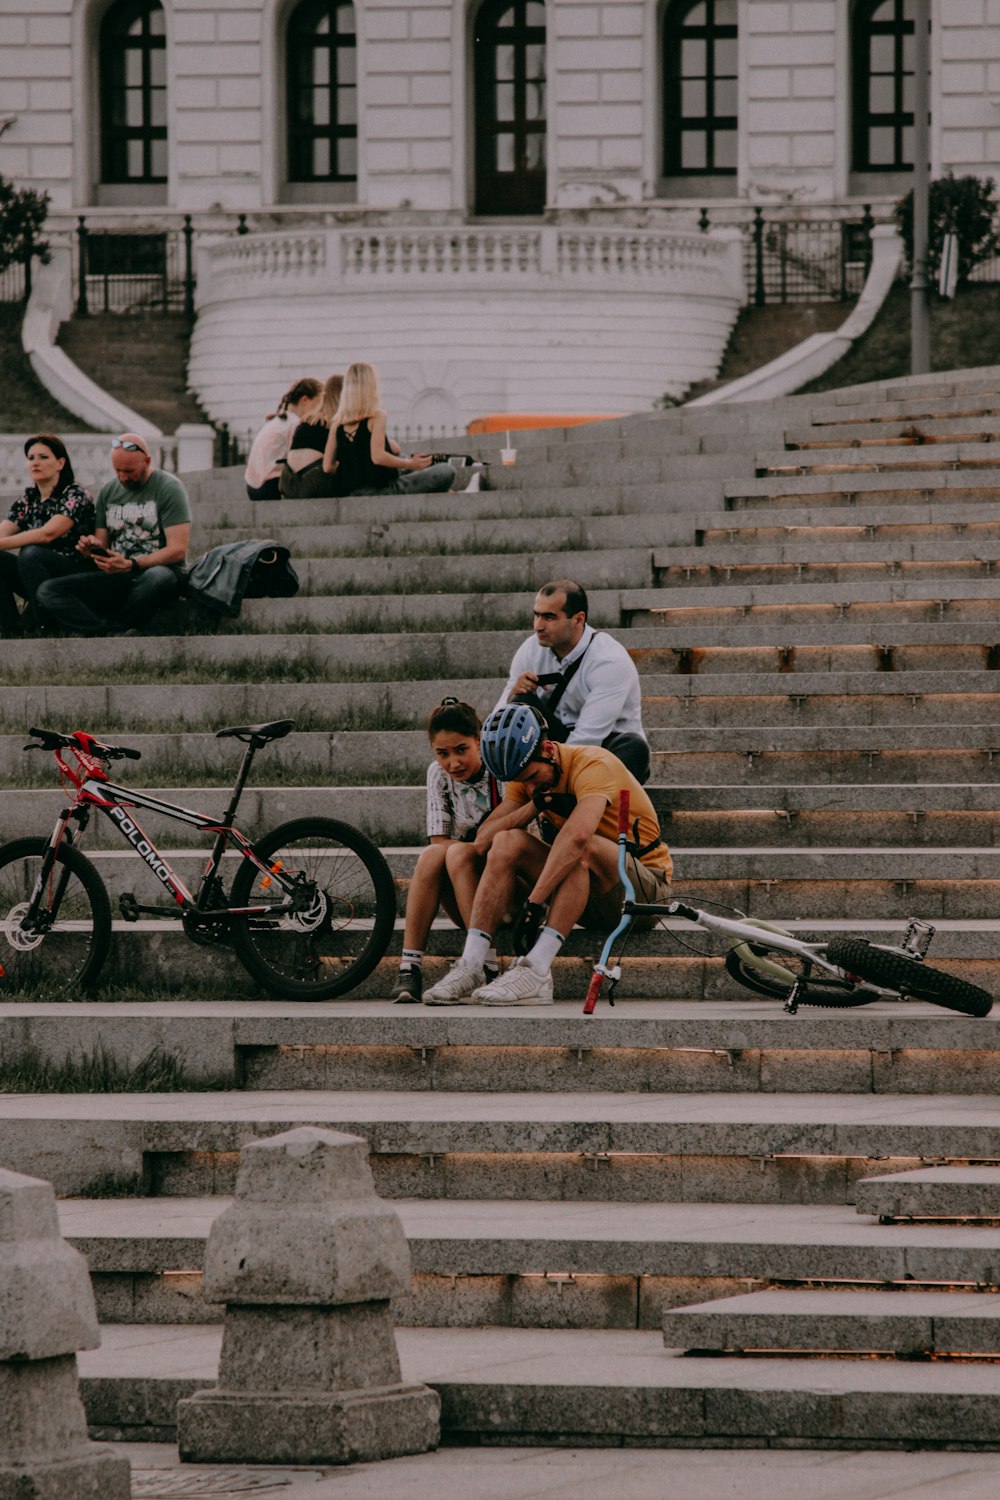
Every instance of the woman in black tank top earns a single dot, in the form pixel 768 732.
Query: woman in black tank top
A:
pixel 362 459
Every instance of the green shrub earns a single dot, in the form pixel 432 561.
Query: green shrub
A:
pixel 965 206
pixel 22 214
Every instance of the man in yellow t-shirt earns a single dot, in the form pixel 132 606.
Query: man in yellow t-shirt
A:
pixel 576 879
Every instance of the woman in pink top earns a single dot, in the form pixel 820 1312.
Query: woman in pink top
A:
pixel 267 456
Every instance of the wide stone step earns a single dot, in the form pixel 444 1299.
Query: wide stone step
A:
pixel 909 1325
pixel 816 605
pixel 652 1046
pixel 966 1195
pixel 517 530
pixel 810 707
pixel 913 409
pixel 966 456
pixel 521 573
pixel 603 1387
pixel 118 709
pixel 888 644
pixel 866 523
pixel 930 429
pixel 887 490
pixel 820 564
pixel 568 1265
pixel 796 815
pixel 728 754
pixel 657 1147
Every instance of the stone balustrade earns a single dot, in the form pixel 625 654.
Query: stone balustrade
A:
pixel 465 320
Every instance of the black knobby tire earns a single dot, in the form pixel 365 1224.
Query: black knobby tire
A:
pixel 907 976
pixel 70 956
pixel 360 897
pixel 819 991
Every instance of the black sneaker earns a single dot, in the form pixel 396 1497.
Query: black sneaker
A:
pixel 408 989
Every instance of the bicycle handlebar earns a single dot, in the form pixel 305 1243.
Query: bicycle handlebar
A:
pixel 52 739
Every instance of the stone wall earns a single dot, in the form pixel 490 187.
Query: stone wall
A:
pixel 225 112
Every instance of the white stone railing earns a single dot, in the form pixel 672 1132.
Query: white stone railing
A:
pixel 299 262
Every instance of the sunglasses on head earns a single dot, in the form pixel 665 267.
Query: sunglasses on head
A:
pixel 129 446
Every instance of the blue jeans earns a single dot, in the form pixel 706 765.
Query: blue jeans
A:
pixel 96 603
pixel 415 482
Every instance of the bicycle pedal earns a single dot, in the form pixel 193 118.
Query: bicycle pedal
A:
pixel 128 906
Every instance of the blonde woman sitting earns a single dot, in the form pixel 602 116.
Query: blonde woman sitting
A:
pixel 359 456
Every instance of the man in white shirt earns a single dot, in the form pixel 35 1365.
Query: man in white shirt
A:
pixel 583 680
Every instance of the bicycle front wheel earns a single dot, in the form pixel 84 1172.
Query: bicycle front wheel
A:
pixel 59 944
pixel 344 928
pixel 907 976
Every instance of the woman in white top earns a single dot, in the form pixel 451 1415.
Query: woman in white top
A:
pixel 460 794
pixel 270 446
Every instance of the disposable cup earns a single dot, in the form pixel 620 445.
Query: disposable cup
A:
pixel 508 455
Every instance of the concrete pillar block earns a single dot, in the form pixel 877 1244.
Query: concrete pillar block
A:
pixel 306 1260
pixel 195 447
pixel 47 1313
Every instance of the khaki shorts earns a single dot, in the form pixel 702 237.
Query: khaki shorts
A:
pixel 604 909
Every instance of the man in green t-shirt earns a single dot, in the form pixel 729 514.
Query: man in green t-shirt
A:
pixel 138 546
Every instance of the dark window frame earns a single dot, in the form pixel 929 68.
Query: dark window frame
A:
pixel 863 118
pixel 523 189
pixel 303 40
pixel 116 43
pixel 676 125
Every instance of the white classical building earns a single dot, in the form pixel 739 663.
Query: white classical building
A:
pixel 505 204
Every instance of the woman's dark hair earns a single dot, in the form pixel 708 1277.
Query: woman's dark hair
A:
pixel 58 448
pixel 452 716
pixel 307 386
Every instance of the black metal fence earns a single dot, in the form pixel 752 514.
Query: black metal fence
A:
pixel 135 271
pixel 787 259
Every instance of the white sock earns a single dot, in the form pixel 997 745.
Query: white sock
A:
pixel 491 957
pixel 411 958
pixel 477 946
pixel 547 945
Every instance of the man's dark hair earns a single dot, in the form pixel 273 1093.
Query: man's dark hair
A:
pixel 576 597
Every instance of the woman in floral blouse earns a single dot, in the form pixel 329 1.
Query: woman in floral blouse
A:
pixel 53 513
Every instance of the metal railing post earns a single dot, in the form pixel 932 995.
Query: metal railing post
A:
pixel 82 309
pixel 188 268
pixel 758 249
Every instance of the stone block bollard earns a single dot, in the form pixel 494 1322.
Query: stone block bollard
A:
pixel 306 1259
pixel 47 1313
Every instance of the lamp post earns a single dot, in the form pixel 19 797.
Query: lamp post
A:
pixel 919 309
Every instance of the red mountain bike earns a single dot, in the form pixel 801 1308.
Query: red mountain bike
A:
pixel 310 911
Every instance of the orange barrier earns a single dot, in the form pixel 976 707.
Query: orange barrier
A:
pixel 521 421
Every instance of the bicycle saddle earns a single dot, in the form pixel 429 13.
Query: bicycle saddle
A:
pixel 262 734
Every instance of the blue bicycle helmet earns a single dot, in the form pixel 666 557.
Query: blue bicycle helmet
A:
pixel 510 738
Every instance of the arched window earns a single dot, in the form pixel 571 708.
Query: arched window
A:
pixel 882 49
pixel 509 52
pixel 133 67
pixel 700 88
pixel 322 92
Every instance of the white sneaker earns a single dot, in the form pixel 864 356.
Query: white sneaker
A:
pixel 457 986
pixel 521 985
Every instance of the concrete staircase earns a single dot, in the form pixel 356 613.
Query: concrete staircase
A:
pixel 808 592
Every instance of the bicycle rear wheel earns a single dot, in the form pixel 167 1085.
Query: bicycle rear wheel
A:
pixel 907 976
pixel 330 947
pixel 61 945
pixel 768 971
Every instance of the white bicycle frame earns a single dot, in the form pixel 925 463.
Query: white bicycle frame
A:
pixel 745 931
